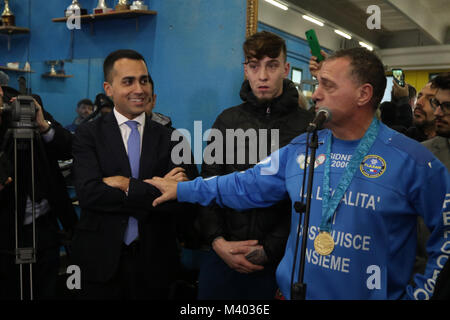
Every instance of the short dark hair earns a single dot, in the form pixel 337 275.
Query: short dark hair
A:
pixel 366 67
pixel 86 102
pixel 441 81
pixel 108 64
pixel 103 101
pixel 263 44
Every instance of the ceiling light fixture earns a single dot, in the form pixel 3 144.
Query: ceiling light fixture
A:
pixel 365 45
pixel 311 19
pixel 343 34
pixel 277 4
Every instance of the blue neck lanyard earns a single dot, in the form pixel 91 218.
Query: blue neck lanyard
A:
pixel 329 205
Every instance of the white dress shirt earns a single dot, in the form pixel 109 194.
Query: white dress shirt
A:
pixel 125 130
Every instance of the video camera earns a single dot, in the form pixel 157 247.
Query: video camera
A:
pixel 20 114
pixel 19 120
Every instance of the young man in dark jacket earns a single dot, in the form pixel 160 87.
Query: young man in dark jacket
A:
pixel 247 247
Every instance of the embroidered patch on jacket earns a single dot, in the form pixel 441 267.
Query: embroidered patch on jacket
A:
pixel 372 166
pixel 319 160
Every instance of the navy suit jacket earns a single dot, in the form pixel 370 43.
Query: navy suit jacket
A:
pixel 99 152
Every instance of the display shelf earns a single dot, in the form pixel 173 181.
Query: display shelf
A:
pixel 13 30
pixel 110 15
pixel 15 70
pixel 48 75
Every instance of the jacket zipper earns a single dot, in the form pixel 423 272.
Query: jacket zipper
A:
pixel 268 112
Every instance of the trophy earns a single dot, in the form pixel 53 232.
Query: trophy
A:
pixel 53 64
pixel 8 19
pixel 102 7
pixel 27 66
pixel 138 5
pixel 122 5
pixel 74 9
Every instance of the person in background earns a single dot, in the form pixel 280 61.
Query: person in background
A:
pixel 397 113
pixel 302 101
pixel 156 116
pixel 440 145
pixel 85 107
pixel 104 104
pixel 4 79
pixel 424 120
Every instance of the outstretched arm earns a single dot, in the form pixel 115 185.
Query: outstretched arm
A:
pixel 167 186
pixel 258 187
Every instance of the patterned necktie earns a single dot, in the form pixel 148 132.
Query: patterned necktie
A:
pixel 134 155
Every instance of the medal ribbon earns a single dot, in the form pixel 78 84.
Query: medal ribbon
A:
pixel 329 205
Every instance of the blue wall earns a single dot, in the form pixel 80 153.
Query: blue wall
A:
pixel 192 48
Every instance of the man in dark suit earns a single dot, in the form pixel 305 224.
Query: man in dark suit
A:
pixel 125 248
pixel 51 143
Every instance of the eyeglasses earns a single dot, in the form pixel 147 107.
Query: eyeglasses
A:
pixel 445 106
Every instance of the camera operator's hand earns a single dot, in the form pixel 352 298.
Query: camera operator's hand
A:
pixel 40 120
pixel 8 181
pixel 42 124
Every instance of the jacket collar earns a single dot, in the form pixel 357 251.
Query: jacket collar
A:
pixel 150 142
pixel 287 101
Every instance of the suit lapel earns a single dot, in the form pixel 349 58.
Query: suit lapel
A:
pixel 114 140
pixel 148 151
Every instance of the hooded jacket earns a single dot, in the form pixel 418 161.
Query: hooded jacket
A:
pixel 275 123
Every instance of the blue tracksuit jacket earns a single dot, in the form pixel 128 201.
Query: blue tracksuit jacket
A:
pixel 374 227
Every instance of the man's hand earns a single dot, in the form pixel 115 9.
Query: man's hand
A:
pixel 399 92
pixel 314 66
pixel 40 120
pixel 8 181
pixel 41 123
pixel 118 182
pixel 228 251
pixel 167 186
pixel 177 174
pixel 254 254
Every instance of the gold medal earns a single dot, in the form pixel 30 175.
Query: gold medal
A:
pixel 324 243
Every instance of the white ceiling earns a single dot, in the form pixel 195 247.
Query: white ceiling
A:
pixel 404 23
